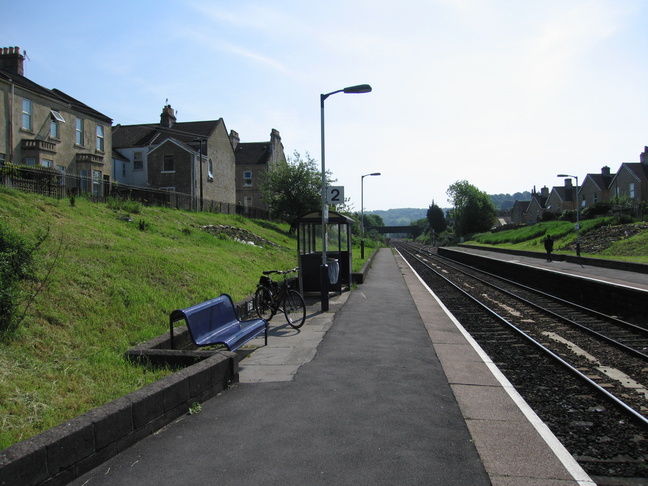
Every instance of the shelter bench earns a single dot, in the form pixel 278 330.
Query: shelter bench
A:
pixel 215 322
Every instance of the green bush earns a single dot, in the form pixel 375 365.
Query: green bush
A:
pixel 16 266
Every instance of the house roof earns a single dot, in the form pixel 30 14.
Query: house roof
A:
pixel 253 153
pixel 638 169
pixel 55 95
pixel 154 133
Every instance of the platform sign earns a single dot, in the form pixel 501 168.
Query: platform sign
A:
pixel 335 195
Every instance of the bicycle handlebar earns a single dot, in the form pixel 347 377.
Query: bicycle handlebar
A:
pixel 280 272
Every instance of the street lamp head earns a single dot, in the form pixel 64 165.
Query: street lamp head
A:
pixel 564 175
pixel 360 88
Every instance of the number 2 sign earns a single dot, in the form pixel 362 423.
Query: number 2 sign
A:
pixel 335 195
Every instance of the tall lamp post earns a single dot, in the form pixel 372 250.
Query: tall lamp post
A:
pixel 362 210
pixel 577 214
pixel 324 280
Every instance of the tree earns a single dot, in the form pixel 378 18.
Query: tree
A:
pixel 474 211
pixel 436 218
pixel 293 188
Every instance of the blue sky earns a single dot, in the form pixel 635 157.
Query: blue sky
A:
pixel 504 94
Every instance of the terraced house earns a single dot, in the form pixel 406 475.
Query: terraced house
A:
pixel 48 128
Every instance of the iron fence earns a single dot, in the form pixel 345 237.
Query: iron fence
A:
pixel 53 183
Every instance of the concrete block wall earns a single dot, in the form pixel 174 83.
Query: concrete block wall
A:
pixel 69 450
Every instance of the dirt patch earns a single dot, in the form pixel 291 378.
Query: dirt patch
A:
pixel 237 234
pixel 600 239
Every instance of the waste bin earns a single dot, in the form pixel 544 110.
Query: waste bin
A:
pixel 333 270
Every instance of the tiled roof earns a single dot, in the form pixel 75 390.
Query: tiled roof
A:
pixel 638 169
pixel 252 153
pixel 53 94
pixel 153 133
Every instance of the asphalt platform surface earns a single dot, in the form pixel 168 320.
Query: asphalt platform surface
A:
pixel 356 396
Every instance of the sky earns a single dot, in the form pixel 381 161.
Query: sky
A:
pixel 504 94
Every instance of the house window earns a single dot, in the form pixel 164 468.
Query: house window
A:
pixel 167 165
pixel 31 161
pixel 96 182
pixel 83 180
pixel 138 161
pixel 61 169
pixel 247 201
pixel 27 115
pixel 123 169
pixel 210 170
pixel 47 163
pixel 100 138
pixel 78 127
pixel 247 178
pixel 631 190
pixel 595 198
pixel 55 131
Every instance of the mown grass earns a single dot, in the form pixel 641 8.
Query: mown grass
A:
pixel 112 285
pixel 530 238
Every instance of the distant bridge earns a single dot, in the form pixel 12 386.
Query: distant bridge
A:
pixel 402 230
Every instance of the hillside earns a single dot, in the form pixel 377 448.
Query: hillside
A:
pixel 115 275
pixel 399 217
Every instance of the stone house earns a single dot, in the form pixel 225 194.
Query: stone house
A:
pixel 537 205
pixel 48 128
pixel 631 180
pixel 595 188
pixel 253 160
pixel 562 198
pixel 195 158
pixel 519 212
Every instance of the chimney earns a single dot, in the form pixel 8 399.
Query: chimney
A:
pixel 234 139
pixel 605 170
pixel 643 156
pixel 11 60
pixel 544 192
pixel 167 118
pixel 568 183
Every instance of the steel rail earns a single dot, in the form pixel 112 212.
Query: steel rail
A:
pixel 602 391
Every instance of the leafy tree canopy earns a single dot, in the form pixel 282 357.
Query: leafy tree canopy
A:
pixel 293 188
pixel 474 211
pixel 436 218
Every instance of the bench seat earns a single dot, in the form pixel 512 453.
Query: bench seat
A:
pixel 215 322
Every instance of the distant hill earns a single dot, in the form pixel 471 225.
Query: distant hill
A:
pixel 404 216
pixel 400 217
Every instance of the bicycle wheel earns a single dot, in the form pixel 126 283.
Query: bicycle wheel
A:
pixel 263 303
pixel 294 308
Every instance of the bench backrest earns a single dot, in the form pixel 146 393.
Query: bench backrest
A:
pixel 207 316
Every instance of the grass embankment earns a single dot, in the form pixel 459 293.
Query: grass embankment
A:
pixel 596 241
pixel 112 286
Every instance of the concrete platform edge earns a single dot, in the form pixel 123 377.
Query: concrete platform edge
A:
pixel 524 469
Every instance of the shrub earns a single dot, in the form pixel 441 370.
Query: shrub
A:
pixel 16 265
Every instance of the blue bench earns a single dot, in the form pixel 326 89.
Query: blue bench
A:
pixel 215 322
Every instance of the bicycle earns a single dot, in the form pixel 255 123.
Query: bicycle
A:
pixel 271 297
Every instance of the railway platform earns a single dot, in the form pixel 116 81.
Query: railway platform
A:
pixel 383 389
pixel 585 269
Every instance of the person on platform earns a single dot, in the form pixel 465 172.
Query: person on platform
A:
pixel 548 244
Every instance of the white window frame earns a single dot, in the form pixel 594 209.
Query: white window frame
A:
pixel 100 138
pixel 27 114
pixel 138 161
pixel 631 190
pixel 210 170
pixel 96 182
pixel 55 129
pixel 79 132
pixel 47 163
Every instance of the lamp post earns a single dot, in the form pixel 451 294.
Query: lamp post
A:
pixel 324 280
pixel 362 210
pixel 577 214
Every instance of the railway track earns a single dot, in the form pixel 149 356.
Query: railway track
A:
pixel 584 373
